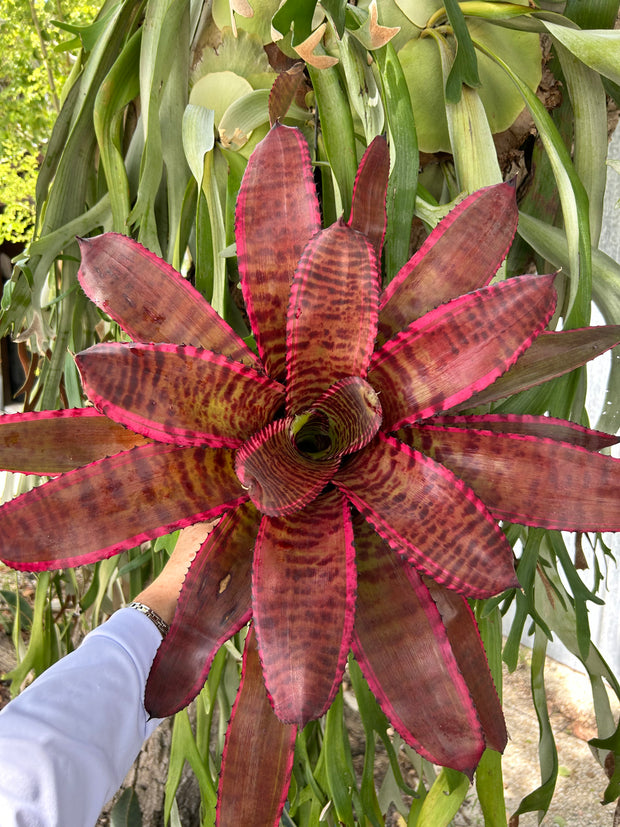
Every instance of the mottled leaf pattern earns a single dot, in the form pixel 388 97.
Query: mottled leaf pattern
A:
pixel 426 697
pixel 332 317
pixel 258 755
pixel 215 603
pixel 52 442
pixel 343 420
pixel 530 480
pixel 283 92
pixel 272 231
pixel 471 658
pixel 430 516
pixel 304 580
pixel 277 477
pixel 328 459
pixel 116 503
pixel 551 354
pixel 462 254
pixel 150 300
pixel 368 213
pixel 448 354
pixel 537 426
pixel 178 394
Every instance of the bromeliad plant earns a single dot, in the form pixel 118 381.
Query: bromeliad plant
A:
pixel 358 508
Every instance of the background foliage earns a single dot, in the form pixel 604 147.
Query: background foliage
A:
pixel 163 105
pixel 36 56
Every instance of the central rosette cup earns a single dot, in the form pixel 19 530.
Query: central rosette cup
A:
pixel 287 464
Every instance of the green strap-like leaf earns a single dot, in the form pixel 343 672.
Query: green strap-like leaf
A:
pixel 475 156
pixel 119 88
pixel 166 22
pixel 198 137
pixel 402 188
pixel 337 131
pixel 295 14
pixel 540 799
pixel 573 197
pixel 589 106
pixel 361 86
pixel 465 66
pixel 444 799
pixel 599 48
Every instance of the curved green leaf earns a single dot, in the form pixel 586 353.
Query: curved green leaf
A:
pixel 573 197
pixel 597 48
pixel 198 137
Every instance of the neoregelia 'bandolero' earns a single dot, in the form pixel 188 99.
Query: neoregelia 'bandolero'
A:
pixel 358 508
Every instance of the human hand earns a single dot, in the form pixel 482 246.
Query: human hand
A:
pixel 162 594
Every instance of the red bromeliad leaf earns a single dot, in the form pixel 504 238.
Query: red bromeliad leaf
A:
pixel 552 354
pixel 343 420
pixel 461 254
pixel 116 503
pixel 178 394
pixel 272 228
pixel 539 426
pixel 258 755
pixel 368 213
pixel 430 516
pixel 526 479
pixel 215 603
pixel 150 300
pixel 471 658
pixel 52 442
pixel 304 585
pixel 278 478
pixel 448 354
pixel 332 316
pixel 403 650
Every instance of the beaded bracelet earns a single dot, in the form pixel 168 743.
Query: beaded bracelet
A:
pixel 161 624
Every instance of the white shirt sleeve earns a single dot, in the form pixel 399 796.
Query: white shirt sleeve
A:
pixel 67 742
